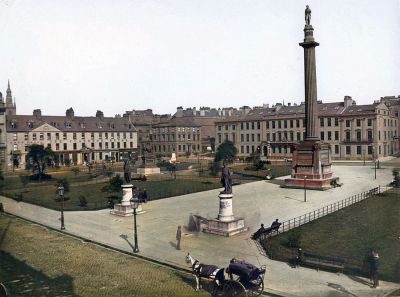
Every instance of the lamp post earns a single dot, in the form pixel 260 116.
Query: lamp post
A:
pixel 135 204
pixel 305 189
pixel 61 195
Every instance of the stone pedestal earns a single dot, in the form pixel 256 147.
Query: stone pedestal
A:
pixel 311 167
pixel 226 224
pixel 124 208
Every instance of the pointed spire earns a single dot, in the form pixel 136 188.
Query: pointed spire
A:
pixel 9 95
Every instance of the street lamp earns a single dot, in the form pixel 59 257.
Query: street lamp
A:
pixel 135 204
pixel 305 189
pixel 61 195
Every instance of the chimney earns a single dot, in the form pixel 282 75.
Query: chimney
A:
pixel 348 101
pixel 99 114
pixel 70 113
pixel 179 112
pixel 37 113
pixel 194 111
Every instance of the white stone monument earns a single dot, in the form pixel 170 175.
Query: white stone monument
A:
pixel 226 224
pixel 124 208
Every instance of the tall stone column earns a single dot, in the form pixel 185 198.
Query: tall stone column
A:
pixel 310 83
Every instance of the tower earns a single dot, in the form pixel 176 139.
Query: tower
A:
pixel 9 104
pixel 311 166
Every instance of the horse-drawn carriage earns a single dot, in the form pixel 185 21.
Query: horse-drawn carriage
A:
pixel 244 279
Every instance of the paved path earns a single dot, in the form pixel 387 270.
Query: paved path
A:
pixel 256 202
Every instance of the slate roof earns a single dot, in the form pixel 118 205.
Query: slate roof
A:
pixel 69 124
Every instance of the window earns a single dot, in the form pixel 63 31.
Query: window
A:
pixel 252 125
pixel 337 149
pixel 322 135
pixel 358 135
pixel 358 149
pixel 336 122
pixel 329 122
pixel 57 146
pixel 336 135
pixel 348 135
pixel 321 122
pixel 219 128
pixel 285 124
pixel 74 145
pixel 348 123
pixel 358 122
pixel 329 135
pixel 106 135
pixel 369 122
pixel 258 137
pixel 247 137
pixel 348 149
pixel 279 124
pixel 252 137
pixel 241 126
pixel 57 136
pixel 370 150
pixel 15 136
pixel 273 124
pixel 258 125
pixel 41 136
pixel 242 137
pixel 65 146
pixel 26 136
pixel 247 126
pixel 48 136
pixel 298 123
pixel 100 145
pixel 291 123
pixel 82 135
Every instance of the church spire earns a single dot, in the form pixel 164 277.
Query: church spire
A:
pixel 9 95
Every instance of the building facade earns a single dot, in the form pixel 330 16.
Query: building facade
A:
pixel 354 132
pixel 73 138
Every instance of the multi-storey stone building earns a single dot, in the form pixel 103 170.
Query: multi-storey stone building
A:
pixel 353 131
pixel 79 139
pixel 189 130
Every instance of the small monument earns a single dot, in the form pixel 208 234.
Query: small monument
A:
pixel 147 167
pixel 311 166
pixel 226 224
pixel 124 208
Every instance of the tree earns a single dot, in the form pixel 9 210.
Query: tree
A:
pixel 15 157
pixel 40 158
pixel 226 152
pixel 396 177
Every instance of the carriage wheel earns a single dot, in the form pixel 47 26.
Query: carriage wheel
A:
pixel 256 287
pixel 231 288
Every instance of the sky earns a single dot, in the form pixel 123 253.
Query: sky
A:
pixel 160 54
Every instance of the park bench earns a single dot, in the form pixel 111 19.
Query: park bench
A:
pixel 266 232
pixel 319 261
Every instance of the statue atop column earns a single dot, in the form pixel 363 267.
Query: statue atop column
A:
pixel 226 180
pixel 307 15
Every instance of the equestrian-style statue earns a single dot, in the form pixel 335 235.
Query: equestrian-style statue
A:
pixel 127 171
pixel 308 15
pixel 226 180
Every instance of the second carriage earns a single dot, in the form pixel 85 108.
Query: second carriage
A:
pixel 245 280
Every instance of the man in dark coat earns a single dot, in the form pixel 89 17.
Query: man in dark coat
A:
pixel 374 266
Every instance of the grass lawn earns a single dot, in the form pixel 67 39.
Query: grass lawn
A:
pixel 35 261
pixel 157 187
pixel 350 233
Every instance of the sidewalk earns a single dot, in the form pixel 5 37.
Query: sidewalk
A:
pixel 256 202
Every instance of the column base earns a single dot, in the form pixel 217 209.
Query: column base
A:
pixel 125 210
pixel 225 228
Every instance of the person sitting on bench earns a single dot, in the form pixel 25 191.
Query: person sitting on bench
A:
pixel 275 224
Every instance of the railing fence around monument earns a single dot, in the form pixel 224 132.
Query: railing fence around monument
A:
pixel 323 211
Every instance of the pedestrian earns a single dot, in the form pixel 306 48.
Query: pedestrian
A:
pixel 144 196
pixel 178 238
pixel 374 266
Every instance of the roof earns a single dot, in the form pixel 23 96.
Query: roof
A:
pixel 69 124
pixel 298 111
pixel 187 122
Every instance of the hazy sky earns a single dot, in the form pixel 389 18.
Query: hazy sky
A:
pixel 124 55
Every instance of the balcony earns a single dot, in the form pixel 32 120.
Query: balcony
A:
pixel 358 141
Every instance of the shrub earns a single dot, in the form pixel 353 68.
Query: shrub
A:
pixel 114 185
pixel 396 177
pixel 82 201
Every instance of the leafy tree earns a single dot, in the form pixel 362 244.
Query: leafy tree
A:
pixel 15 156
pixel 226 152
pixel 114 185
pixel 40 158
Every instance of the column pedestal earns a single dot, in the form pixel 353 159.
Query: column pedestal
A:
pixel 226 224
pixel 124 208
